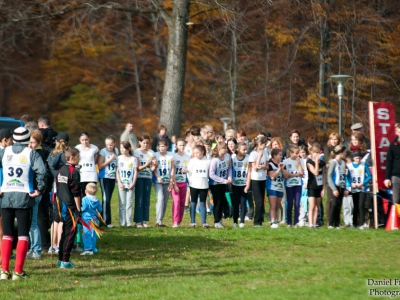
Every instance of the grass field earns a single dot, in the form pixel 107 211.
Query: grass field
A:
pixel 248 263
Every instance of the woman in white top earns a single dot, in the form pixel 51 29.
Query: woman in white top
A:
pixel 88 159
pixel 127 166
pixel 198 170
pixel 258 167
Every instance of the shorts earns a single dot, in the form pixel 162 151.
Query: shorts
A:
pixel 274 193
pixel 56 208
pixel 315 193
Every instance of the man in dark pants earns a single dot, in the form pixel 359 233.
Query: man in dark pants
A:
pixel 48 143
pixel 392 178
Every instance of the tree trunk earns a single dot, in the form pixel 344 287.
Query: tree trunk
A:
pixel 171 105
pixel 135 67
pixel 233 73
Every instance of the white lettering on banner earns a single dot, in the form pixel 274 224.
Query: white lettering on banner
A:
pixel 384 143
pixel 384 125
pixel 383 159
pixel 383 113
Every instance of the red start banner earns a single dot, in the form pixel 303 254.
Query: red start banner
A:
pixel 382 128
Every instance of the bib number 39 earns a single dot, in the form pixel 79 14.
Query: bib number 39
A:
pixel 15 172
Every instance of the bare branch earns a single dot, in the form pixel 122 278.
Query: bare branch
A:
pixel 110 6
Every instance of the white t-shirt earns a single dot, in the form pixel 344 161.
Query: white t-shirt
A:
pixel 188 151
pixel 88 164
pixel 198 170
pixel 109 170
pixel 180 162
pixel 126 169
pixel 292 167
pixel 239 170
pixel 143 159
pixel 260 174
pixel 164 166
pixel 305 171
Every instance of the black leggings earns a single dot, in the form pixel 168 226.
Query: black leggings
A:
pixel 335 206
pixel 107 188
pixel 218 192
pixel 67 238
pixel 258 188
pixel 359 200
pixel 239 198
pixel 24 219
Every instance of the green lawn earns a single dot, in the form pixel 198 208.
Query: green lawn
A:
pixel 248 263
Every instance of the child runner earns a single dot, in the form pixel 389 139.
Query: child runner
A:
pixel 127 174
pixel 303 152
pixel 359 176
pixel 163 178
pixel 316 179
pixel 240 168
pixel 198 169
pixel 348 205
pixel 178 193
pixel 207 144
pixel 337 182
pixel 143 185
pixel 275 189
pixel 258 166
pixel 220 176
pixel 69 193
pixel 91 206
pixel 293 184
pixel 88 156
pixel 107 165
pixel 18 163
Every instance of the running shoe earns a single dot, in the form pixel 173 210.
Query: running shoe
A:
pixel 5 275
pixel 67 265
pixel 18 276
pixel 218 225
pixel 33 255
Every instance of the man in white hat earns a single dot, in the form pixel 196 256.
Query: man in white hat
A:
pixel 23 179
pixel 358 128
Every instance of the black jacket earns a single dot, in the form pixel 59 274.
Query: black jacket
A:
pixel 393 160
pixel 68 185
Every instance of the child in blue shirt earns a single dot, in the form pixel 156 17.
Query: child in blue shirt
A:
pixel 358 176
pixel 91 206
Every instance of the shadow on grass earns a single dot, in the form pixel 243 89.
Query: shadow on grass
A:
pixel 123 255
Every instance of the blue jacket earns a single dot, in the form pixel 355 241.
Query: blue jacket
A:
pixel 90 204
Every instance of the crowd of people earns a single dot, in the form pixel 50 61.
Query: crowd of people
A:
pixel 46 181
